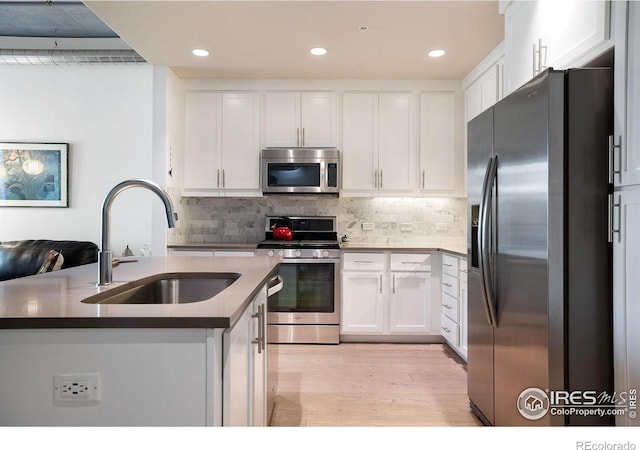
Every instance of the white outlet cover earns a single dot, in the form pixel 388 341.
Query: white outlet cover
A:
pixel 77 387
pixel 406 227
pixel 441 227
pixel 368 226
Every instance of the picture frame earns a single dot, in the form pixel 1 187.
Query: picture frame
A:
pixel 34 174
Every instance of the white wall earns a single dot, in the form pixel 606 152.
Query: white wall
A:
pixel 105 113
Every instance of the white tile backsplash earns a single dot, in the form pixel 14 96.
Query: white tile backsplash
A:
pixel 204 220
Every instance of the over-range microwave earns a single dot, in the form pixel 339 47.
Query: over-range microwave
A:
pixel 300 171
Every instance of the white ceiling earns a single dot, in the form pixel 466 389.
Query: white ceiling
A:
pixel 271 39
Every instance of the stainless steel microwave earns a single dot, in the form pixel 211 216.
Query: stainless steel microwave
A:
pixel 300 171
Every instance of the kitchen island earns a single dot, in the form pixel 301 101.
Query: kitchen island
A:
pixel 67 362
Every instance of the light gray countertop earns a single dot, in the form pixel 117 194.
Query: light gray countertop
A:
pixel 54 300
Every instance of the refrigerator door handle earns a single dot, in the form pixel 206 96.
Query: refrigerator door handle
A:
pixel 484 234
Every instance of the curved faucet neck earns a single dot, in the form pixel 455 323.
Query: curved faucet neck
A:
pixel 104 256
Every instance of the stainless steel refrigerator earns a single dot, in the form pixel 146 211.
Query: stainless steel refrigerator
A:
pixel 540 289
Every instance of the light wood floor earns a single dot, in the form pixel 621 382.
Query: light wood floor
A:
pixel 371 385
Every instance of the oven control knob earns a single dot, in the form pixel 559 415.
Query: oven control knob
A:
pixel 326 253
pixel 280 252
pixel 298 253
pixel 316 253
pixel 270 253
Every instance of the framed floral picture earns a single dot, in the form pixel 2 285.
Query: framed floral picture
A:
pixel 34 174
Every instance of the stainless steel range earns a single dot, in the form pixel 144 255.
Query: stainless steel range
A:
pixel 307 309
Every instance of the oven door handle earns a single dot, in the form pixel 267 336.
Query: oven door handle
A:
pixel 309 260
pixel 275 285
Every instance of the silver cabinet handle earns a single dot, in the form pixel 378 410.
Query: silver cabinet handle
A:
pixel 447 284
pixel 446 329
pixel 446 306
pixel 381 283
pixel 375 179
pixel 218 179
pixel 612 159
pixel 303 136
pixel 260 339
pixel 363 262
pixel 394 283
pixel 223 182
pixel 423 179
pixel 381 179
pixel 448 265
pixel 298 136
pixel 612 225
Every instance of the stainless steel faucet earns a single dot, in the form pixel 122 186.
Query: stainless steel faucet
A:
pixel 104 255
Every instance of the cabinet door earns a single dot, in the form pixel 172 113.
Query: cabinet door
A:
pixel 627 93
pixel 626 297
pixel 359 141
pixel 238 363
pixel 283 119
pixel 202 139
pixel 409 304
pixel 397 152
pixel 572 28
pixel 523 28
pixel 259 352
pixel 319 119
pixel 441 155
pixel 362 303
pixel 244 376
pixel 240 156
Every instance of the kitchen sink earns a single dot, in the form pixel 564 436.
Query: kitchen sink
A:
pixel 167 289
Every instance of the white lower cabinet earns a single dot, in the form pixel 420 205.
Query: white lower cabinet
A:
pixel 386 295
pixel 626 299
pixel 143 376
pixel 454 302
pixel 212 252
pixel 245 369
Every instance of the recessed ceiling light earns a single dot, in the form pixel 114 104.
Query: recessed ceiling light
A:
pixel 318 51
pixel 436 53
pixel 200 52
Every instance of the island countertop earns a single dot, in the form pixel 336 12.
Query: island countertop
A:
pixel 54 300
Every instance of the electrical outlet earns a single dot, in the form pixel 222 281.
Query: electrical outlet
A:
pixel 406 227
pixel 442 227
pixel 77 387
pixel 368 226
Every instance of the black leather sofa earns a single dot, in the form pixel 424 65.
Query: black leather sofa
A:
pixel 24 258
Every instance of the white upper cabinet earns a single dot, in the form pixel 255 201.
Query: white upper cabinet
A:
pixel 301 119
pixel 441 147
pixel 549 33
pixel 485 91
pixel 202 140
pixel 379 146
pixel 222 143
pixel 626 153
pixel 523 32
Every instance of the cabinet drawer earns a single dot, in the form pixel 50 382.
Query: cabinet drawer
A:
pixel 450 265
pixel 450 331
pixel 363 261
pixel 411 262
pixel 450 307
pixel 450 285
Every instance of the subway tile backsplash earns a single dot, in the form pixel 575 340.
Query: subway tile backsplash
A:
pixel 242 220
